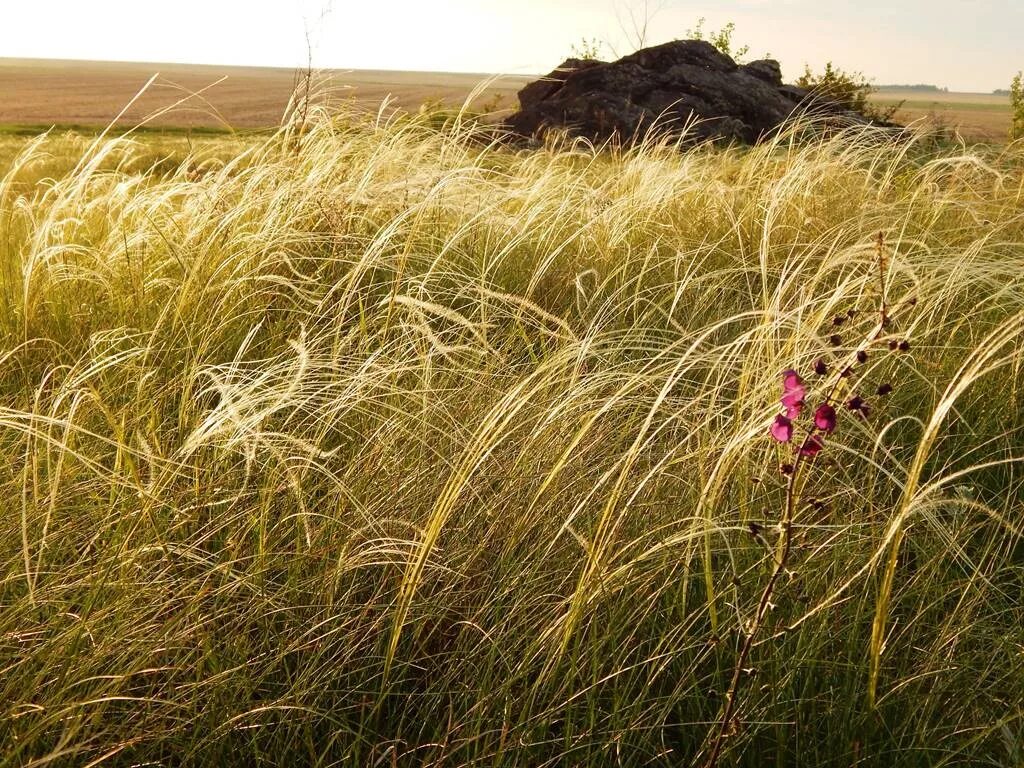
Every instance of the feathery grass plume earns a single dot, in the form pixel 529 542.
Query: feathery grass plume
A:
pixel 379 442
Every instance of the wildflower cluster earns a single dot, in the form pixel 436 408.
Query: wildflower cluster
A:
pixel 823 423
pixel 794 393
pixel 836 369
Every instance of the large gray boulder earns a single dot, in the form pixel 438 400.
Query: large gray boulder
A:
pixel 662 89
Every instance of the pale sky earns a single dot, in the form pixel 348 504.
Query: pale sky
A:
pixel 972 45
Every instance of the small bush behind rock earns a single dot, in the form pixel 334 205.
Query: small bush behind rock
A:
pixel 851 90
pixel 1017 105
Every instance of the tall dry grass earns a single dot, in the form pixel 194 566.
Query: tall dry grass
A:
pixel 376 444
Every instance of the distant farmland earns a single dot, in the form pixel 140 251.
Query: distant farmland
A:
pixel 42 93
pixel 90 94
pixel 978 116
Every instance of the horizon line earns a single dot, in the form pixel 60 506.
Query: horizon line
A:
pixel 300 68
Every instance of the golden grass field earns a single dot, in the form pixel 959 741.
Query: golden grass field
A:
pixel 377 441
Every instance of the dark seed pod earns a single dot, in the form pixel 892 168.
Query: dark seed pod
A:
pixel 858 405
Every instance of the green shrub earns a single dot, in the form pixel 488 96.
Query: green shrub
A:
pixel 721 39
pixel 1017 104
pixel 850 89
pixel 587 49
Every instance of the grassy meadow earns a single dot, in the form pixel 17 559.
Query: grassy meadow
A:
pixel 372 442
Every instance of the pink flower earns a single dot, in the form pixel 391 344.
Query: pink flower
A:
pixel 825 417
pixel 812 446
pixel 793 393
pixel 793 405
pixel 782 429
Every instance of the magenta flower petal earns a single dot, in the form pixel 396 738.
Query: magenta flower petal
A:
pixel 812 446
pixel 782 429
pixel 791 381
pixel 793 404
pixel 825 417
pixel 793 393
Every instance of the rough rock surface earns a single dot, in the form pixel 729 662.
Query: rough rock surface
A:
pixel 663 89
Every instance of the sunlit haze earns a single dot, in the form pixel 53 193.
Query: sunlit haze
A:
pixel 959 44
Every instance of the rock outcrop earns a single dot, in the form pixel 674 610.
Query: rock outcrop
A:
pixel 662 89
